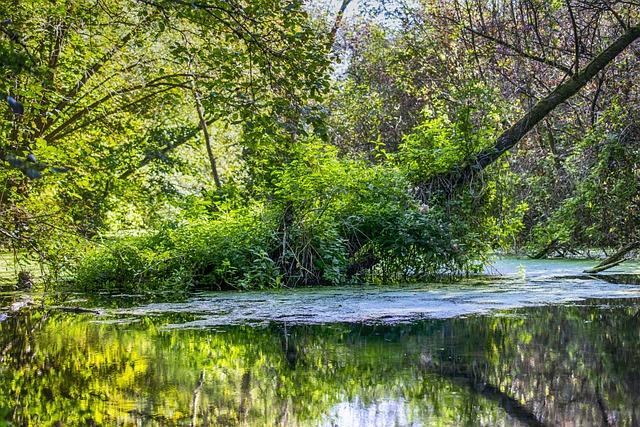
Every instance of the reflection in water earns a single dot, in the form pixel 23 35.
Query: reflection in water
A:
pixel 556 365
pixel 385 412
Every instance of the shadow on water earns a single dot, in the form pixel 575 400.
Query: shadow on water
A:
pixel 619 278
pixel 613 278
pixel 575 364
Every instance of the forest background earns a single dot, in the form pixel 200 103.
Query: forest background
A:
pixel 215 144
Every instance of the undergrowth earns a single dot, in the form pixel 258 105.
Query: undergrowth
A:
pixel 362 224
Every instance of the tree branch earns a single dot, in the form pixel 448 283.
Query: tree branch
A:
pixel 338 22
pixel 97 66
pixel 115 111
pixel 207 137
pixel 521 52
pixel 576 39
pixel 615 259
pixel 157 82
pixel 148 158
pixel 463 172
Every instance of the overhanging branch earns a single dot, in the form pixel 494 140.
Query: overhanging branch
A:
pixel 464 171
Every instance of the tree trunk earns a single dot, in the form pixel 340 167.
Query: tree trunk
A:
pixel 545 251
pixel 464 172
pixel 615 259
pixel 207 138
pixel 338 22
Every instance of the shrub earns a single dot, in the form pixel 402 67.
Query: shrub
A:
pixel 328 221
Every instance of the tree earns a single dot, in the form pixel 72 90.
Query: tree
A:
pixel 476 70
pixel 108 87
pixel 573 77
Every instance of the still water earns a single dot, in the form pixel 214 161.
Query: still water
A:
pixel 541 345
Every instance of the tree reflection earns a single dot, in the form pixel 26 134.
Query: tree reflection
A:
pixel 570 365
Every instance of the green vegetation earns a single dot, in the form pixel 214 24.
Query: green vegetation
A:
pixel 319 227
pixel 171 146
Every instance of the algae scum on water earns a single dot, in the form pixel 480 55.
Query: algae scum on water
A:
pixel 541 348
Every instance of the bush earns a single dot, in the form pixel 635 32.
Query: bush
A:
pixel 328 221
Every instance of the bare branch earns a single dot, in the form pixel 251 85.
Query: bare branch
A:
pixel 521 52
pixel 576 39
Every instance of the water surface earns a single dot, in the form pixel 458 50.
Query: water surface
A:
pixel 541 345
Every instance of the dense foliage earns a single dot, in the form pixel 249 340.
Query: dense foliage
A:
pixel 216 144
pixel 328 221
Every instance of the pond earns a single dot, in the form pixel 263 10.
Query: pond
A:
pixel 542 345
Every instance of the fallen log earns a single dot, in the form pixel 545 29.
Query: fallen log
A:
pixel 545 251
pixel 600 267
pixel 617 258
